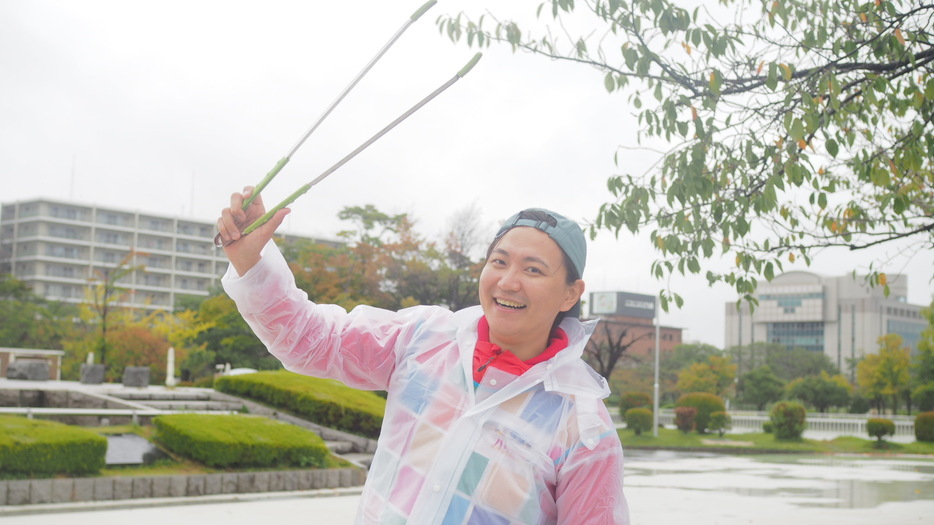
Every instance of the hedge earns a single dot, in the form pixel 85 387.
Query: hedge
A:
pixel 924 427
pixel 220 440
pixel 324 401
pixel 705 404
pixel 37 447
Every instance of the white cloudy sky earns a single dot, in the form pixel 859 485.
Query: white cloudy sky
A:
pixel 168 106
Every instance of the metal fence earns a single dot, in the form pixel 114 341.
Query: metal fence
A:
pixel 835 424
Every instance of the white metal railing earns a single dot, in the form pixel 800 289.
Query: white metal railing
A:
pixel 839 424
pixel 135 413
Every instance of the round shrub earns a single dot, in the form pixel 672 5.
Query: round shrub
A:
pixel 924 426
pixel 720 422
pixel 789 418
pixel 639 419
pixel 878 428
pixel 767 427
pixel 705 404
pixel 633 400
pixel 684 418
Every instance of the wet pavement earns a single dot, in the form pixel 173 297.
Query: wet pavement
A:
pixel 663 488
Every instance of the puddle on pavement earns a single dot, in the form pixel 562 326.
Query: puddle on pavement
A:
pixel 130 449
pixel 838 481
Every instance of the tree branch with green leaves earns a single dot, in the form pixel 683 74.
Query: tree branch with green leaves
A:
pixel 791 125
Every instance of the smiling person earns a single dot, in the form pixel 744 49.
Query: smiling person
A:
pixel 491 414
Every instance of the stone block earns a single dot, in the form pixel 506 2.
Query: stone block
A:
pixel 103 489
pixel 123 488
pixel 332 479
pixel 160 486
pixel 317 479
pixel 63 490
pixel 262 482
pixel 40 491
pixel 246 482
pixel 136 376
pixel 212 484
pixel 84 489
pixel 27 370
pixel 17 492
pixel 142 487
pixel 346 476
pixel 92 374
pixel 229 483
pixel 178 486
pixel 196 485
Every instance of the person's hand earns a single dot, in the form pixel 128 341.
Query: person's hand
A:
pixel 243 250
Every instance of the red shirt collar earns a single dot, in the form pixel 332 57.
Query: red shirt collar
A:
pixel 487 354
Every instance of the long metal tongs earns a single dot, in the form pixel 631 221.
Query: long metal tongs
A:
pixel 284 160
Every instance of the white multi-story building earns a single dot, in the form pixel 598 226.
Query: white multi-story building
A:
pixel 842 317
pixel 62 248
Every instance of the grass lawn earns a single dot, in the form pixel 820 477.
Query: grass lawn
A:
pixel 765 443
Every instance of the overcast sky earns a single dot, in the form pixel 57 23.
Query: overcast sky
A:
pixel 167 107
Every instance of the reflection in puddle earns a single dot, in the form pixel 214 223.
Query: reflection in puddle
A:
pixel 832 481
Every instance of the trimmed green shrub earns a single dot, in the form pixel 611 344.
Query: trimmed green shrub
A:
pixel 705 404
pixel 878 428
pixel 720 422
pixel 684 418
pixel 32 446
pixel 633 400
pixel 325 401
pixel 924 427
pixel 767 427
pixel 789 418
pixel 220 440
pixel 639 419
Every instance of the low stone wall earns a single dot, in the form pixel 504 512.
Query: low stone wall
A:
pixel 44 491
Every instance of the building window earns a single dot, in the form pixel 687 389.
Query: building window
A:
pixel 807 335
pixel 909 332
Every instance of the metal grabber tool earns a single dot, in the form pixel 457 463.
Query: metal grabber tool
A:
pixel 282 162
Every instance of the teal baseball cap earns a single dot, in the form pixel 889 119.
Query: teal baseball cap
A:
pixel 566 233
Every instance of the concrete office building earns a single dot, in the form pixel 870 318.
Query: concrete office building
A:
pixel 842 317
pixel 61 248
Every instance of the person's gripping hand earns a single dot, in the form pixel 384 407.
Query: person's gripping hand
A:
pixel 243 251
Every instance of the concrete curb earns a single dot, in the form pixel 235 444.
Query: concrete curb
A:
pixel 14 493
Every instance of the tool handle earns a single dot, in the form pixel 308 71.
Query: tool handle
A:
pixel 266 180
pixel 421 10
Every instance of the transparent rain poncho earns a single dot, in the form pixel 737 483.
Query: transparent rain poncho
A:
pixel 539 448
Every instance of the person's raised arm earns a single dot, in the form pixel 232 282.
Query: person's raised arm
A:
pixel 243 251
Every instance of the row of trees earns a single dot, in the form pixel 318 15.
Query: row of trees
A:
pixel 760 374
pixel 383 262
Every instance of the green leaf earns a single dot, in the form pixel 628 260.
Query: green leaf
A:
pixel 609 82
pixel 771 80
pixel 797 130
pixel 832 147
pixel 716 80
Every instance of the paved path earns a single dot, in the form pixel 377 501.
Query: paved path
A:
pixel 662 488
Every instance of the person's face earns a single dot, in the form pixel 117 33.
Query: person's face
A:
pixel 523 286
